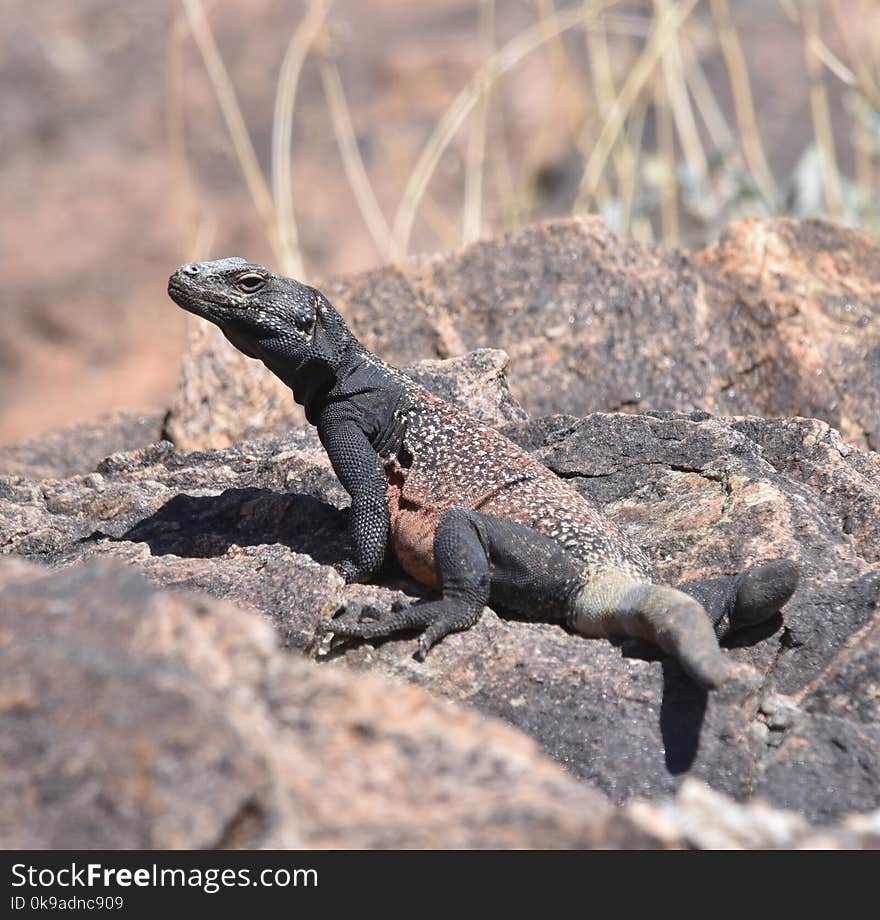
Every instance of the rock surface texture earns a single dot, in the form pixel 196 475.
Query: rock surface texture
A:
pixel 778 318
pixel 227 737
pixel 199 732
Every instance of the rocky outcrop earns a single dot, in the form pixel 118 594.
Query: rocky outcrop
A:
pixel 155 719
pixel 260 522
pixel 779 318
pixel 138 714
pixel 149 719
pixel 66 451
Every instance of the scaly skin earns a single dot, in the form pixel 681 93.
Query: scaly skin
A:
pixel 464 509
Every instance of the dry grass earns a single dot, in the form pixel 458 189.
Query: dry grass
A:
pixel 738 71
pixel 472 222
pixel 228 102
pixel 282 134
pixel 657 151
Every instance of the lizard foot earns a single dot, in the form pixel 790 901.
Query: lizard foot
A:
pixel 436 619
pixel 351 617
pixel 363 621
pixel 762 591
pixel 441 618
pixel 437 630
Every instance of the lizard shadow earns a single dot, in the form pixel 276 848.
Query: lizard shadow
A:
pixel 682 705
pixel 682 711
pixel 200 527
pixel 206 526
pixel 684 702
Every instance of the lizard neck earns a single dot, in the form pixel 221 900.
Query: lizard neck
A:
pixel 315 377
pixel 360 382
pixel 368 394
pixel 309 380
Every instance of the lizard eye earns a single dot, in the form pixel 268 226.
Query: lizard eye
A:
pixel 250 283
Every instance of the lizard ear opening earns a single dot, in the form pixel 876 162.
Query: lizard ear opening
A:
pixel 331 338
pixel 311 328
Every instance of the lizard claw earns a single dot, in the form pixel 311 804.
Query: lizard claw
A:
pixel 428 639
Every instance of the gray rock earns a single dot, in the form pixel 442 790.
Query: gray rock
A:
pixel 133 718
pixel 259 523
pixel 779 318
pixel 67 451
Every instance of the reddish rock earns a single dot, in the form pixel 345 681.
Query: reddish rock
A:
pixel 133 718
pixel 779 318
pixel 801 301
pixel 260 523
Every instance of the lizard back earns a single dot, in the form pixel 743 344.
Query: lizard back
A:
pixel 448 458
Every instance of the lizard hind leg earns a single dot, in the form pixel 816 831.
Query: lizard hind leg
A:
pixel 462 564
pixel 616 604
pixel 461 558
pixel 754 596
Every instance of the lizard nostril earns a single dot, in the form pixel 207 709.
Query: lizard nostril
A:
pixel 191 268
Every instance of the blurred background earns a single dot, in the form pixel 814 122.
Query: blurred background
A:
pixel 329 137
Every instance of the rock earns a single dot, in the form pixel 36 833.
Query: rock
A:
pixel 779 318
pixel 109 738
pixel 699 818
pixel 477 382
pixel 163 720
pixel 811 343
pixel 67 451
pixel 709 821
pixel 159 719
pixel 260 523
pixel 779 712
pixel 245 400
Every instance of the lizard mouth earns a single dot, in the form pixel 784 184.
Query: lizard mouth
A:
pixel 182 294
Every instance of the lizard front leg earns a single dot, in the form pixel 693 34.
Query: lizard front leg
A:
pixel 360 472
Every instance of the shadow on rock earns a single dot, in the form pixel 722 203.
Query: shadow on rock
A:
pixel 682 711
pixel 682 708
pixel 206 526
pixel 744 638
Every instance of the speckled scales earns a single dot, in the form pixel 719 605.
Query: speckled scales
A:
pixel 457 461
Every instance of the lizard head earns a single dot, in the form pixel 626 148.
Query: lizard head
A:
pixel 288 325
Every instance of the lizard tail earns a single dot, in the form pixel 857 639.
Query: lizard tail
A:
pixel 615 604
